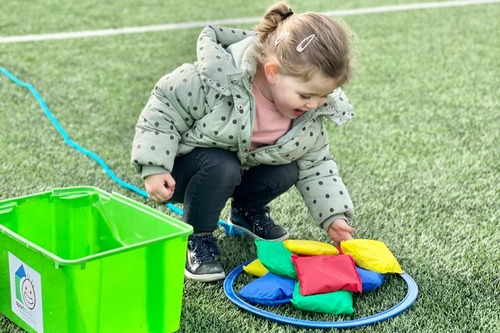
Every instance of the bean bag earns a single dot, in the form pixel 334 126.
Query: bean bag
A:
pixel 370 280
pixel 255 268
pixel 325 274
pixel 337 302
pixel 310 247
pixel 371 255
pixel 276 258
pixel 269 290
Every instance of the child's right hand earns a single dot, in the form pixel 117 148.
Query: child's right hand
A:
pixel 339 231
pixel 160 187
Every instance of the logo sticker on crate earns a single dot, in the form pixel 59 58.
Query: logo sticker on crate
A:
pixel 26 293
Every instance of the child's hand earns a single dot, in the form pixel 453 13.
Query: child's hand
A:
pixel 160 187
pixel 339 230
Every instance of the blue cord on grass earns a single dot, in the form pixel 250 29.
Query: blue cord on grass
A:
pixel 227 227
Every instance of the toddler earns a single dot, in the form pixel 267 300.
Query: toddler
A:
pixel 245 123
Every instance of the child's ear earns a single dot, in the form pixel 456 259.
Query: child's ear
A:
pixel 271 71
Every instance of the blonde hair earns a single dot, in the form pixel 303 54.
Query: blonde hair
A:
pixel 329 51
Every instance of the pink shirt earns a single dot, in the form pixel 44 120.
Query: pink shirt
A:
pixel 269 124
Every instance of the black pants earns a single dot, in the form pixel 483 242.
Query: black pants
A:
pixel 207 177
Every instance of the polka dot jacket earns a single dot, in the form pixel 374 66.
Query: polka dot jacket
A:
pixel 210 104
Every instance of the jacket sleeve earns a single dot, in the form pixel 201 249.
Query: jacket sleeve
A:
pixel 321 186
pixel 175 102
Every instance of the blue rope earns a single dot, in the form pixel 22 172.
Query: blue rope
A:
pixel 82 150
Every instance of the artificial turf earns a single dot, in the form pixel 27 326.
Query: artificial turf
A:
pixel 420 158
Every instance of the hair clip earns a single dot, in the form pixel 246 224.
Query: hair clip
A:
pixel 305 42
pixel 281 37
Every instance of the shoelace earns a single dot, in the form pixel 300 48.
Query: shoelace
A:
pixel 204 248
pixel 255 216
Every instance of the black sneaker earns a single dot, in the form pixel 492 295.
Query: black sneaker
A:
pixel 201 263
pixel 257 223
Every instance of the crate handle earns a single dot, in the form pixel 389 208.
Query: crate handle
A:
pixel 8 207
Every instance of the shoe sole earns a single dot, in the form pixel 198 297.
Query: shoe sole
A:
pixel 254 236
pixel 204 277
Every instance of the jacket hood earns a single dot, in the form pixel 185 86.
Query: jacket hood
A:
pixel 224 56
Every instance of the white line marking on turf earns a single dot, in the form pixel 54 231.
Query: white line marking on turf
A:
pixel 201 24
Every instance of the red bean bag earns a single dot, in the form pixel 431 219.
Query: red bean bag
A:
pixel 326 273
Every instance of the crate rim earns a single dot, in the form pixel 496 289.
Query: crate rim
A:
pixel 185 229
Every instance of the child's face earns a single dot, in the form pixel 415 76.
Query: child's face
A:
pixel 293 97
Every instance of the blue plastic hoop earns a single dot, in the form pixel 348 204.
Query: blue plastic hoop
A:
pixel 408 300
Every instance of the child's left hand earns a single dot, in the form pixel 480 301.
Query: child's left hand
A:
pixel 339 231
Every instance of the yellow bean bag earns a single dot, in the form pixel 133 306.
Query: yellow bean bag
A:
pixel 255 268
pixel 372 255
pixel 310 247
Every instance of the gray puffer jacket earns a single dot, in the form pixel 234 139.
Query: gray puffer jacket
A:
pixel 210 104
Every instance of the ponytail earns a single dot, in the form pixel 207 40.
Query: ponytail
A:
pixel 271 20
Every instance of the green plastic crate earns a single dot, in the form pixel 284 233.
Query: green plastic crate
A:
pixel 83 260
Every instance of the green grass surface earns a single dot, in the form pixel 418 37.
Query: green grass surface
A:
pixel 421 157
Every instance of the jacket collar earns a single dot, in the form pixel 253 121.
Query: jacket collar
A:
pixel 337 108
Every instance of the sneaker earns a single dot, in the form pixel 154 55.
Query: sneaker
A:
pixel 257 223
pixel 201 263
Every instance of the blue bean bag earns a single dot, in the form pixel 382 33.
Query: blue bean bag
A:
pixel 371 280
pixel 269 289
